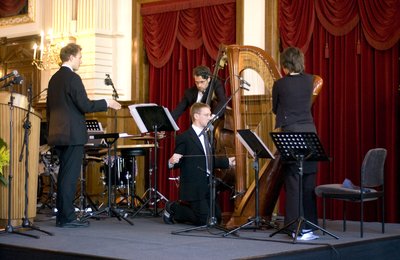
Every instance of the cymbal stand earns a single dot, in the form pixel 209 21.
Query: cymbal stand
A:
pixel 110 210
pixel 154 196
pixel 9 228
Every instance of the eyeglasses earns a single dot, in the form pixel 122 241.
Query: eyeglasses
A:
pixel 200 82
pixel 206 115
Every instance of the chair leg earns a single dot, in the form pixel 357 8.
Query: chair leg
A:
pixel 362 218
pixel 323 212
pixel 344 216
pixel 383 213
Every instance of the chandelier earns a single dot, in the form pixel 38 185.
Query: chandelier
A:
pixel 47 54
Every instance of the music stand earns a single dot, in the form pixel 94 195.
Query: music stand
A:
pixel 299 147
pixel 257 149
pixel 152 118
pixel 109 140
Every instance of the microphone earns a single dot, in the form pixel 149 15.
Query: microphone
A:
pixel 108 81
pixel 14 73
pixel 18 80
pixel 211 122
pixel 243 81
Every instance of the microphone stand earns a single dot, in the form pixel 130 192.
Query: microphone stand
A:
pixel 27 126
pixel 108 81
pixel 212 221
pixel 9 228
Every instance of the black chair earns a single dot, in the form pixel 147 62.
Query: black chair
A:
pixel 371 187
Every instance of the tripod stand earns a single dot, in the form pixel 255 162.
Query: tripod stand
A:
pixel 27 125
pixel 110 210
pixel 299 147
pixel 257 148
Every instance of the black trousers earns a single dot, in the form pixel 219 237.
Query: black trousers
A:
pixel 70 167
pixel 194 212
pixel 309 209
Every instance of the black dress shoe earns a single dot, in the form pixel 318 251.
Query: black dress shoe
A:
pixel 73 224
pixel 167 214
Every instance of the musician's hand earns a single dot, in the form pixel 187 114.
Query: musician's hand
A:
pixel 161 134
pixel 113 104
pixel 175 158
pixel 232 161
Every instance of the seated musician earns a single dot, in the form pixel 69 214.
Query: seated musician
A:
pixel 190 153
pixel 198 93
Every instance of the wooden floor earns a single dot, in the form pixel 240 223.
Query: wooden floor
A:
pixel 150 238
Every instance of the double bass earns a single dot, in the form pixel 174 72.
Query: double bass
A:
pixel 251 111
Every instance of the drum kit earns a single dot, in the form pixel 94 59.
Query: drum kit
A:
pixel 124 170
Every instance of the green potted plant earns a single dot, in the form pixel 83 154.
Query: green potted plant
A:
pixel 4 159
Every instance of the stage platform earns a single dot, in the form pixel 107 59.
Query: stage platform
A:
pixel 150 238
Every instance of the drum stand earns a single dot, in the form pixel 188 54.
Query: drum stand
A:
pixel 110 210
pixel 25 222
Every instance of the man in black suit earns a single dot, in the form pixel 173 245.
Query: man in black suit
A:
pixel 190 155
pixel 199 92
pixel 67 103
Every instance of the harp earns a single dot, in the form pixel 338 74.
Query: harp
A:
pixel 253 111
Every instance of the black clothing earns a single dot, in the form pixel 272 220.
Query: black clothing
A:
pixel 194 191
pixel 190 97
pixel 67 103
pixel 291 98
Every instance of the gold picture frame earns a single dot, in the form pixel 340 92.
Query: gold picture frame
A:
pixel 21 19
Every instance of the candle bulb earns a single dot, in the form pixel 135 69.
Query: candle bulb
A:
pixel 41 52
pixel 34 51
pixel 50 33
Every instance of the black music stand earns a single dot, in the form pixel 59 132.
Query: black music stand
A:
pixel 153 118
pixel 299 147
pixel 257 149
pixel 109 140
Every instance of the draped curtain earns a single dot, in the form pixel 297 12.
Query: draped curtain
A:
pixel 178 36
pixel 354 46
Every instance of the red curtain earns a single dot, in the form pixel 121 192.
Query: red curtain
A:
pixel 354 46
pixel 178 36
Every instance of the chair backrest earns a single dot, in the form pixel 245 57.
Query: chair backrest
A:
pixel 372 169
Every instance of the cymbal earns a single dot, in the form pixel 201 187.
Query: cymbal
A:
pixel 142 137
pixel 133 146
pixel 129 146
